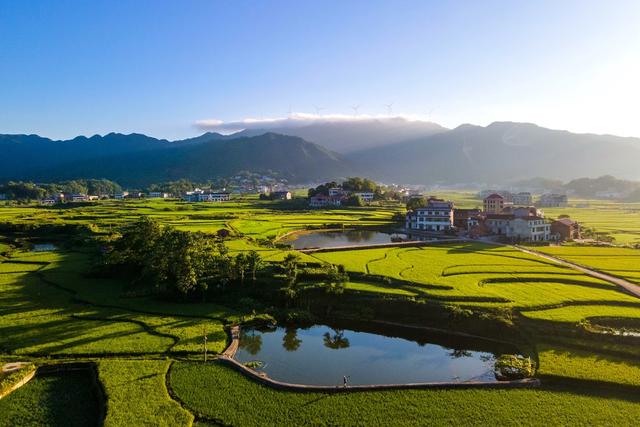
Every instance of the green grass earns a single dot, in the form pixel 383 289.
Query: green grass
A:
pixel 462 271
pixel 62 400
pixel 574 314
pixel 621 262
pixel 37 317
pixel 219 393
pixel 137 394
pixel 620 220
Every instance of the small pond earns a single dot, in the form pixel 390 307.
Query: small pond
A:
pixel 322 355
pixel 330 239
pixel 44 247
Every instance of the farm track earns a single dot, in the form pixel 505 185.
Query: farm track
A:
pixel 629 286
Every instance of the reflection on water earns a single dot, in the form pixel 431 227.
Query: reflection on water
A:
pixel 44 247
pixel 329 239
pixel 323 355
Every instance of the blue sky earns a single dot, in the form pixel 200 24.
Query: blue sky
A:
pixel 158 67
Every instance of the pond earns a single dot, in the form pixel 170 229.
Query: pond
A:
pixel 330 239
pixel 322 355
pixel 43 247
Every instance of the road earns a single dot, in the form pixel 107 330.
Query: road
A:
pixel 630 287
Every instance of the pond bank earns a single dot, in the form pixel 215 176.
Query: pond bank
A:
pixel 228 358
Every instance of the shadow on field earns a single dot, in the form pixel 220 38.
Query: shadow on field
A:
pixel 39 316
pixel 591 388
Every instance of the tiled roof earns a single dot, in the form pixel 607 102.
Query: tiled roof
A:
pixel 494 196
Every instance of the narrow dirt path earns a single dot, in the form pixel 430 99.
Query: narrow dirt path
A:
pixel 625 284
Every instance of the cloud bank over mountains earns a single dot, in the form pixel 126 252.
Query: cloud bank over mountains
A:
pixel 298 120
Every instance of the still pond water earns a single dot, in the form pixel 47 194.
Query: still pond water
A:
pixel 330 239
pixel 322 355
pixel 44 247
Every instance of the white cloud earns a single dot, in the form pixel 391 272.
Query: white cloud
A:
pixel 294 120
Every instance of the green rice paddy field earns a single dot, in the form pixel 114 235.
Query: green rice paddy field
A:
pixel 146 349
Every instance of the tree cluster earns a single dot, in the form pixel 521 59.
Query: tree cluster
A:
pixel 32 191
pixel 180 262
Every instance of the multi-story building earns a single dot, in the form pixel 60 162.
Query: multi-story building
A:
pixel 158 195
pixel 437 216
pixel 524 228
pixel 121 195
pixel 493 204
pixel 553 201
pixel 522 199
pixel 321 201
pixel 461 217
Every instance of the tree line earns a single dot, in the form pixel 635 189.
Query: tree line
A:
pixel 187 265
pixel 19 190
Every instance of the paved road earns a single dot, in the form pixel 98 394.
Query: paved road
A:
pixel 631 287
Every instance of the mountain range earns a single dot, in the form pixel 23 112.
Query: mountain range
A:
pixel 393 151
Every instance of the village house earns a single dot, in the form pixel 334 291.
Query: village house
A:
pixel 525 228
pixel 202 196
pixel 565 229
pixel 522 211
pixel 158 195
pixel 553 201
pixel 365 196
pixel 493 204
pixel 522 199
pixel 321 201
pixel 464 218
pixel 48 201
pixel 280 195
pixel 121 195
pixel 76 198
pixel 436 216
pixel 336 192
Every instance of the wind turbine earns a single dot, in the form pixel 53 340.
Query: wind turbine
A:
pixel 389 109
pixel 318 109
pixel 355 109
pixel 289 111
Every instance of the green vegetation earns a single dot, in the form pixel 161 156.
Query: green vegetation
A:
pixel 67 399
pixel 138 309
pixel 216 393
pixel 620 262
pixel 136 394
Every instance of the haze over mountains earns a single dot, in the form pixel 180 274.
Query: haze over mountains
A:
pixel 340 134
pixel 390 150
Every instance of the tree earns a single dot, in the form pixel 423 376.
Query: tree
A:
pixel 360 184
pixel 241 264
pixel 354 200
pixel 290 265
pixel 415 203
pixel 255 263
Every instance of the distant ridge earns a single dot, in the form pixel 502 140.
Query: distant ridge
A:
pixel 138 159
pixel 500 153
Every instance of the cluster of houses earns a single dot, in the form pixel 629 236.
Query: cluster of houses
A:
pixel 199 195
pixel 514 220
pixel 548 200
pixel 337 197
